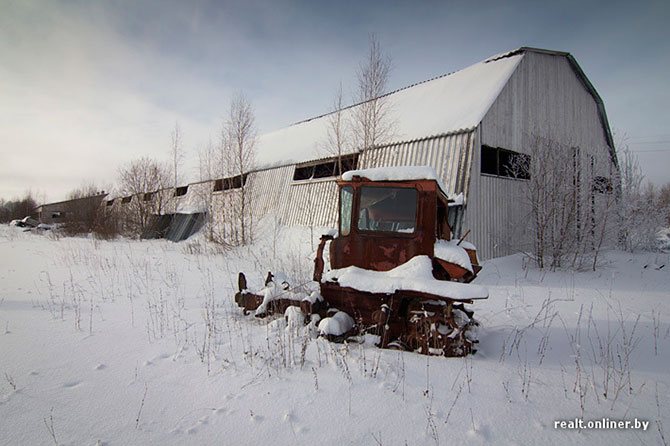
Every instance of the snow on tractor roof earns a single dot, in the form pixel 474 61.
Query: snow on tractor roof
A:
pixel 403 173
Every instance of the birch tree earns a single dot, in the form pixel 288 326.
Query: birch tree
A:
pixel 176 157
pixel 145 181
pixel 337 130
pixel 569 205
pixel 639 215
pixel 239 139
pixel 372 121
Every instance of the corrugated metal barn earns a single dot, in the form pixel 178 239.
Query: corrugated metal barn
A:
pixel 496 107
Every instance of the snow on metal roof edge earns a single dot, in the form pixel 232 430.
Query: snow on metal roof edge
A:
pixel 419 108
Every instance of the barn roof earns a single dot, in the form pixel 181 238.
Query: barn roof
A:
pixel 451 103
pixel 585 82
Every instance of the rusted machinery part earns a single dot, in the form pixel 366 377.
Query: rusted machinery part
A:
pixel 241 282
pixel 382 328
pixel 424 327
pixel 318 260
pixel 439 332
pixel 248 301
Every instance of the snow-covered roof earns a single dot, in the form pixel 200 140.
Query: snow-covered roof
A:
pixel 447 104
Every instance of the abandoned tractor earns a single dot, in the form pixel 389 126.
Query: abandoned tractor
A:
pixel 395 270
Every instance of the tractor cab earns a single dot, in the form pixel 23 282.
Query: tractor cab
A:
pixel 387 216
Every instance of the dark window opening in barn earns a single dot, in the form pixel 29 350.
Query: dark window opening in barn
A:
pixel 303 173
pixel 504 163
pixel 349 162
pixel 229 183
pixel 180 191
pixel 517 165
pixel 148 196
pixel 110 202
pixel 387 209
pixel 235 182
pixel 602 185
pixel 126 200
pixel 325 169
pixel 489 160
pixel 57 215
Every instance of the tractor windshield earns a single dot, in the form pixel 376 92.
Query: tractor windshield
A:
pixel 387 209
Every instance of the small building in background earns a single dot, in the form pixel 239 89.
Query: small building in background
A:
pixel 69 211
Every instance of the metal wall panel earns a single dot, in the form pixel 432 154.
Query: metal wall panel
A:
pixel 543 98
pixel 449 155
pixel 314 203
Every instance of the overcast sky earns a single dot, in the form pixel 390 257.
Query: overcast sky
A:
pixel 86 85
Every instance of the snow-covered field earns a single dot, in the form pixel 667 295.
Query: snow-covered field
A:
pixel 128 343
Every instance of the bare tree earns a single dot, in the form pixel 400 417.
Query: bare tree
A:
pixel 372 121
pixel 639 216
pixel 568 204
pixel 176 156
pixel 18 208
pixel 664 201
pixel 211 168
pixel 239 137
pixel 337 130
pixel 145 183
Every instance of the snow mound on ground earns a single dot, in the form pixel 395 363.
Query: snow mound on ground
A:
pixel 413 275
pixel 336 325
pixel 295 320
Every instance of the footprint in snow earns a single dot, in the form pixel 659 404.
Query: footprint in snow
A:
pixel 100 367
pixel 257 418
pixel 71 384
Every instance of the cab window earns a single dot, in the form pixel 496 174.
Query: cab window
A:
pixel 387 209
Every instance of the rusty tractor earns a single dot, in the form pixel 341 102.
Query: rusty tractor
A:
pixel 394 270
